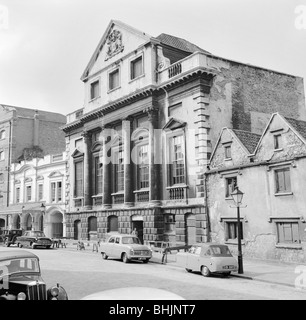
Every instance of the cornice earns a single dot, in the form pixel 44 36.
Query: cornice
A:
pixel 131 98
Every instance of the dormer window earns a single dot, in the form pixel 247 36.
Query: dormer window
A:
pixel 136 68
pixel 277 141
pixel 94 90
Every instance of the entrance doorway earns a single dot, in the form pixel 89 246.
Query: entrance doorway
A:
pixel 190 229
pixel 2 225
pixel 28 224
pixel 56 225
pixel 77 230
pixel 137 225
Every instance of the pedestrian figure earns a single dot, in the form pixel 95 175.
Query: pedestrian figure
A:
pixel 135 232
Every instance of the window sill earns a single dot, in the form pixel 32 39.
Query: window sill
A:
pixel 279 149
pixel 117 193
pixel 134 79
pixel 175 186
pixel 114 89
pixel 283 194
pixel 227 159
pixel 96 98
pixel 289 246
pixel 141 190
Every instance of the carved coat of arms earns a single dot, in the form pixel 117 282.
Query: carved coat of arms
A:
pixel 114 42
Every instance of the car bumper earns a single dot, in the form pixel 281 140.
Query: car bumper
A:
pixel 139 257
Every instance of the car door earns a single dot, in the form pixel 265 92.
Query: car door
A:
pixel 194 258
pixel 109 246
pixel 117 248
pixel 190 258
pixel 23 239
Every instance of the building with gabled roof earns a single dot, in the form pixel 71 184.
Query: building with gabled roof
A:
pixel 272 177
pixel 153 109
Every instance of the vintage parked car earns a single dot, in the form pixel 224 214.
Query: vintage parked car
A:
pixel 9 236
pixel 208 258
pixel 34 239
pixel 20 278
pixel 126 247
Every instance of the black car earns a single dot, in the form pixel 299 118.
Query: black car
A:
pixel 20 278
pixel 34 239
pixel 9 236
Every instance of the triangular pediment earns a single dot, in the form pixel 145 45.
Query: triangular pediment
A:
pixel 77 153
pixel 118 40
pixel 174 124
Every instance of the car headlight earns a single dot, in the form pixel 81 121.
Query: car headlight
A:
pixel 54 291
pixel 21 296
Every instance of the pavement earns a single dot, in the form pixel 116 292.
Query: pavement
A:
pixel 270 271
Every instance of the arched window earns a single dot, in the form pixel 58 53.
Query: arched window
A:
pixel 2 134
pixel 92 228
pixel 92 224
pixel 112 223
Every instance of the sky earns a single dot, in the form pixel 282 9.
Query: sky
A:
pixel 45 45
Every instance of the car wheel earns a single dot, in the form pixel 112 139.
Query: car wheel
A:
pixel 19 245
pixel 125 258
pixel 104 255
pixel 6 242
pixel 226 274
pixel 205 271
pixel 146 261
pixel 48 247
pixel 188 270
pixel 32 245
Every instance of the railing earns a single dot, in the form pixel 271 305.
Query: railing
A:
pixel 193 62
pixel 78 202
pixel 118 198
pixel 97 200
pixel 174 70
pixel 142 196
pixel 177 193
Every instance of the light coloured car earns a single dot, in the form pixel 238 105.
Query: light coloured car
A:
pixel 126 247
pixel 208 258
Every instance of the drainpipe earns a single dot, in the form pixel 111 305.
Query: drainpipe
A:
pixel 9 165
pixel 166 104
pixel 206 207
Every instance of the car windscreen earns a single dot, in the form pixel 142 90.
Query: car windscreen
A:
pixel 220 251
pixel 130 240
pixel 37 234
pixel 23 265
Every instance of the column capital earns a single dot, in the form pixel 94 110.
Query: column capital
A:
pixel 86 134
pixel 128 118
pixel 152 112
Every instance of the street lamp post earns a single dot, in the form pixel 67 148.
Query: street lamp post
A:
pixel 237 196
pixel 43 211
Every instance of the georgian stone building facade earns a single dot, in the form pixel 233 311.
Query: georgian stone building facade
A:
pixel 138 149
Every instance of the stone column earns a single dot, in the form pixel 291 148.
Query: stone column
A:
pixel 106 137
pixel 128 178
pixel 87 170
pixel 154 163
